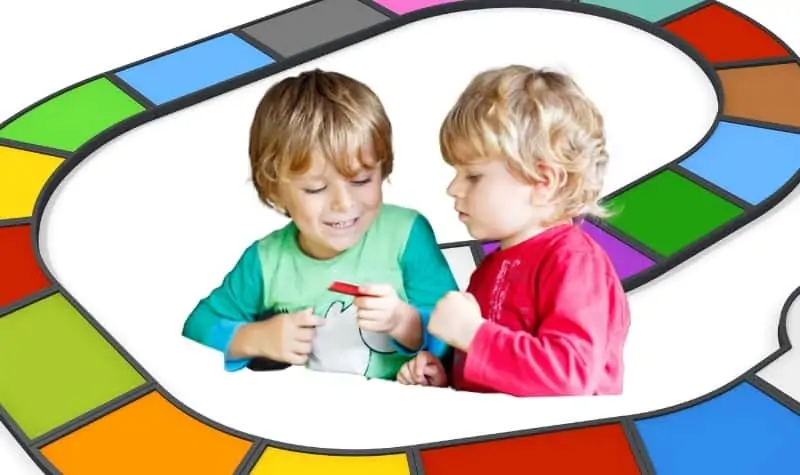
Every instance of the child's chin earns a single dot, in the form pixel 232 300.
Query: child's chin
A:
pixel 479 233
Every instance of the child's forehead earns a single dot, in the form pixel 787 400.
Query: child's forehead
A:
pixel 476 161
pixel 321 167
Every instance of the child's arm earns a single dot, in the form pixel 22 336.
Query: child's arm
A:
pixel 236 302
pixel 579 303
pixel 427 277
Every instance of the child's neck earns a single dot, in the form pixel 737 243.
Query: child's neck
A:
pixel 529 232
pixel 316 252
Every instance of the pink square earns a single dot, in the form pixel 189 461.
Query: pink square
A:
pixel 401 7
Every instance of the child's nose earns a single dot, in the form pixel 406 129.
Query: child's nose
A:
pixel 453 189
pixel 342 201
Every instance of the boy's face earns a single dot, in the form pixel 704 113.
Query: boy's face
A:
pixel 493 203
pixel 332 212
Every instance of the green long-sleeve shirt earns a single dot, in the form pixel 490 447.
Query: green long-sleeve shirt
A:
pixel 274 275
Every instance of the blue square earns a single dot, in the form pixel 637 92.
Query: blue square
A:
pixel 742 431
pixel 194 68
pixel 747 161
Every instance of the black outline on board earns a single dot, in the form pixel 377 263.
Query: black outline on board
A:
pixel 10 223
pixel 664 21
pixel 26 147
pixel 280 64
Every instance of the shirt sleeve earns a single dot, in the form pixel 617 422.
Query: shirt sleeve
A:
pixel 565 355
pixel 235 302
pixel 426 278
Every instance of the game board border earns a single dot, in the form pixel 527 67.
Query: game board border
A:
pixel 152 112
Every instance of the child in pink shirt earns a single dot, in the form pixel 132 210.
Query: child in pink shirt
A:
pixel 546 314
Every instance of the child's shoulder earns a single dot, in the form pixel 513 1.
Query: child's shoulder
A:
pixel 574 242
pixel 397 213
pixel 397 219
pixel 398 229
pixel 276 238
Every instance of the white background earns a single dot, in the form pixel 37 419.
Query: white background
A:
pixel 153 220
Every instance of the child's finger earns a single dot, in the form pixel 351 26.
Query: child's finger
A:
pixel 365 303
pixel 301 348
pixel 419 374
pixel 419 369
pixel 366 289
pixel 373 290
pixel 308 319
pixel 430 370
pixel 404 375
pixel 369 315
pixel 369 326
pixel 296 358
pixel 435 375
pixel 305 334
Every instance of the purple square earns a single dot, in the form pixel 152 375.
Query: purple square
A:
pixel 627 261
pixel 490 247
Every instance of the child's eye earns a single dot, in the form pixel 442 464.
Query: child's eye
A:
pixel 314 190
pixel 363 182
pixel 473 177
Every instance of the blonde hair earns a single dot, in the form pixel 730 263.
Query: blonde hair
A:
pixel 316 112
pixel 530 117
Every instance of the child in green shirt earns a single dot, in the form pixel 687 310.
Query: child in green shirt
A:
pixel 320 148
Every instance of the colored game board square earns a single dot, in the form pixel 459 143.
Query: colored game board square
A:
pixel 55 366
pixel 20 274
pixel 313 25
pixel 765 93
pixel 194 68
pixel 275 460
pixel 667 212
pixel 749 162
pixel 401 7
pixel 72 118
pixel 148 436
pixel 490 247
pixel 722 35
pixel 599 449
pixel 626 260
pixel 740 431
pixel 22 177
pixel 650 11
pixel 462 263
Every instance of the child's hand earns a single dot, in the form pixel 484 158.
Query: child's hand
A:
pixel 378 309
pixel 456 319
pixel 425 370
pixel 284 337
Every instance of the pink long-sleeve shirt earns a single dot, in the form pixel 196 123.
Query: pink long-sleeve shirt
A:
pixel 556 320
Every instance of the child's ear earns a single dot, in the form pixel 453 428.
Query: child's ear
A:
pixel 551 179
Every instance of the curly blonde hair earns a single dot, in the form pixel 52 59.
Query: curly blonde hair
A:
pixel 316 112
pixel 530 117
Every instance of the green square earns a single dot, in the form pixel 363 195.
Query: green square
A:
pixel 72 118
pixel 668 212
pixel 55 367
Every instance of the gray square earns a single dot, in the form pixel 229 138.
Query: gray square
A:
pixel 318 23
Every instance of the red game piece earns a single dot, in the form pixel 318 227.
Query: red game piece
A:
pixel 345 288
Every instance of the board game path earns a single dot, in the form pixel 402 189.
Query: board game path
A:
pixel 84 405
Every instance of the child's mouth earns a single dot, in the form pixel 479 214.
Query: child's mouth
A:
pixel 342 224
